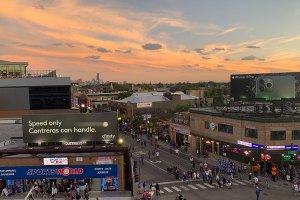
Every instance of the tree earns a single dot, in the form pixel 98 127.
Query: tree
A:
pixel 183 108
pixel 123 95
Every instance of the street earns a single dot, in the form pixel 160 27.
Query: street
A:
pixel 155 171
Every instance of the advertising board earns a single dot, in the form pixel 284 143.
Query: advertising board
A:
pixel 266 87
pixel 43 172
pixel 55 161
pixel 144 105
pixel 70 128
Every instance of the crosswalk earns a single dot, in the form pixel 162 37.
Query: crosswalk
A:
pixel 193 186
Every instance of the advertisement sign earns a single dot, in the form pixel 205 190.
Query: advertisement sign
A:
pixel 244 143
pixel 104 160
pixel 55 161
pixel 70 127
pixel 144 105
pixel 110 184
pixel 43 172
pixel 266 87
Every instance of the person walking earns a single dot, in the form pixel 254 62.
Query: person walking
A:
pixel 157 155
pixel 177 151
pixel 218 180
pixel 250 178
pixel 267 183
pixel 54 192
pixel 255 179
pixel 257 191
pixel 157 189
pixel 144 185
pixel 149 154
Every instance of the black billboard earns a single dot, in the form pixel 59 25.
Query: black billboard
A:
pixel 68 128
pixel 266 87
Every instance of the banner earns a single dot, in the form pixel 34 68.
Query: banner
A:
pixel 74 171
pixel 68 128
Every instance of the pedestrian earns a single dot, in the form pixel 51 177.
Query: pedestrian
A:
pixel 255 179
pixel 157 155
pixel 144 185
pixel 250 178
pixel 257 191
pixel 142 159
pixel 177 151
pixel 267 183
pixel 149 154
pixel 157 189
pixel 218 180
pixel 54 192
pixel 224 180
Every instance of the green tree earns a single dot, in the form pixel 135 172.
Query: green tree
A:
pixel 183 108
pixel 123 95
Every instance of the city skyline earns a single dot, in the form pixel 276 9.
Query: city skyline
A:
pixel 152 41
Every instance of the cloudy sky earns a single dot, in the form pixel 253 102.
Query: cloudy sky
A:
pixel 157 40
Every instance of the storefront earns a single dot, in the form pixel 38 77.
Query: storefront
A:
pixel 86 162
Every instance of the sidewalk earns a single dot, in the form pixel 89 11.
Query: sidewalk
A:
pixel 93 196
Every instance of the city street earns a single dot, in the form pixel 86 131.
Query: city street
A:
pixel 155 171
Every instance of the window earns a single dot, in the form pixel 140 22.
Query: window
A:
pixel 252 133
pixel 278 135
pixel 225 128
pixel 296 135
pixel 206 125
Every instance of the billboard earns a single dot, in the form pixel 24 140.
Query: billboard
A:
pixel 92 127
pixel 43 172
pixel 55 161
pixel 266 87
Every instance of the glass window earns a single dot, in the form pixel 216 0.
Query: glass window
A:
pixel 252 133
pixel 206 125
pixel 296 135
pixel 278 135
pixel 225 128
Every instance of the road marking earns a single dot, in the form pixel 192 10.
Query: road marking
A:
pixel 161 192
pixel 246 181
pixel 208 185
pixel 201 186
pixel 170 182
pixel 167 189
pixel 216 184
pixel 233 183
pixel 240 182
pixel 193 187
pixel 183 187
pixel 176 188
pixel 155 161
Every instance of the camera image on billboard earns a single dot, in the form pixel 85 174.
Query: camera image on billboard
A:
pixel 275 87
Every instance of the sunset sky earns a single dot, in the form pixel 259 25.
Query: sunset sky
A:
pixel 152 40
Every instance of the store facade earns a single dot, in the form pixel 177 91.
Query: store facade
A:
pixel 65 150
pixel 240 136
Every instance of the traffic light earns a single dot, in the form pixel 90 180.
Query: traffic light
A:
pixel 136 178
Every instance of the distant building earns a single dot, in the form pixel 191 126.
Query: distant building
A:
pixel 101 100
pixel 98 77
pixel 152 104
pixel 12 69
pixel 22 93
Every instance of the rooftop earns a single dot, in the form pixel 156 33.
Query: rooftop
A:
pixel 153 97
pixel 257 117
pixel 4 62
